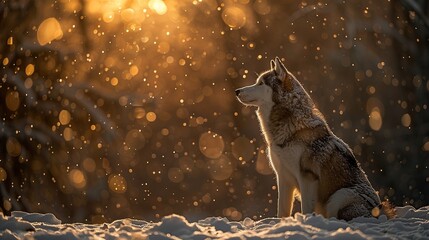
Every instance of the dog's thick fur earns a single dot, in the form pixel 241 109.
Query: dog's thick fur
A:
pixel 306 156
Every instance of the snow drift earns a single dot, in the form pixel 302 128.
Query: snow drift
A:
pixel 410 223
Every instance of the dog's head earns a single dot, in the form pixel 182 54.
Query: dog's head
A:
pixel 269 86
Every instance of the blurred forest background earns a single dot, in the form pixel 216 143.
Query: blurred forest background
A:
pixel 126 108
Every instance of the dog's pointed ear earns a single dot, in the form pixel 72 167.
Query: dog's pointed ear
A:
pixel 280 69
pixel 283 74
pixel 273 65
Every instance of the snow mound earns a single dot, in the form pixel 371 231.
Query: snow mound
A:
pixel 14 224
pixel 47 218
pixel 411 223
pixel 175 225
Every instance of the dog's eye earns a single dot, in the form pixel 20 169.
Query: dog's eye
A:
pixel 260 83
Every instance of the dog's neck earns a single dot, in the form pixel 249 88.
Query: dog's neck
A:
pixel 280 125
pixel 263 112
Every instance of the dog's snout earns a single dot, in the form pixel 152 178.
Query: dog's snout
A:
pixel 237 92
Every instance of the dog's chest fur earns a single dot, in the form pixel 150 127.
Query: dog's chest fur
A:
pixel 284 159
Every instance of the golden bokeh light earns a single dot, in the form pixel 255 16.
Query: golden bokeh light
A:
pixel 375 120
pixel 10 41
pixel 262 7
pixel 242 149
pixel 234 17
pixel 175 175
pixel 89 165
pixel 375 212
pixel 134 70
pixel 406 120
pixel 5 61
pixel 211 144
pixel 374 103
pixel 102 6
pixel 64 117
pixel 220 168
pixel 49 30
pixel 232 213
pixel 263 163
pixel 163 47
pixel 29 70
pixel 186 164
pixel 114 81
pixel 165 131
pixel 127 14
pixel 158 6
pixel 135 139
pixel 68 134
pixel 77 178
pixel 151 116
pixel 108 17
pixel 12 100
pixel 139 113
pixel 117 183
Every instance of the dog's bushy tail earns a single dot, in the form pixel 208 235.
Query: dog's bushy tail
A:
pixel 385 208
pixel 388 209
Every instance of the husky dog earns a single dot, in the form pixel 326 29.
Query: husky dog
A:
pixel 308 159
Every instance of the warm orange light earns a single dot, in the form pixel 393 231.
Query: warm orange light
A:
pixel 77 178
pixel 117 183
pixel 49 30
pixel 108 17
pixel 151 116
pixel 158 6
pixel 234 17
pixel 211 144
pixel 64 117
pixel 10 41
pixel 29 70
pixel 375 120
pixel 68 134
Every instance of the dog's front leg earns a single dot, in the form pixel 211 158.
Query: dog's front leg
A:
pixel 308 190
pixel 285 197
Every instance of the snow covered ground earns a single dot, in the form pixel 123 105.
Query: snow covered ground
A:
pixel 410 224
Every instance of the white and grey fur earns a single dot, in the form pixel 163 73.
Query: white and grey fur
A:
pixel 306 156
